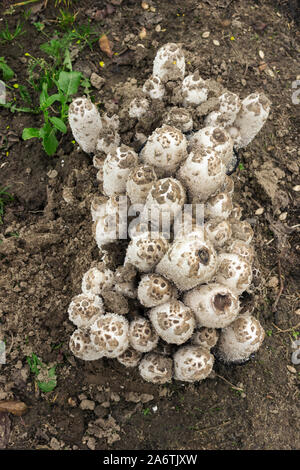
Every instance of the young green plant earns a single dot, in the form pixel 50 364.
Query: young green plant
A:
pixel 45 376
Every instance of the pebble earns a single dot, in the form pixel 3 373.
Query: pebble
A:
pixel 261 54
pixel 292 369
pixel 206 34
pixel 54 444
pixel 259 211
pixel 87 405
pixel 145 6
pixel 296 188
pixel 283 216
pixel 158 28
pixel 52 174
pixel 216 42
pixel 243 82
pixel 97 81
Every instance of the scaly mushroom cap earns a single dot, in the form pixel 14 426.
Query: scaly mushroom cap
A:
pixel 109 334
pixel 84 308
pixel 116 169
pixel 219 206
pixel 225 115
pixel 169 63
pixel 156 368
pixel 173 321
pixel 165 149
pixel 130 358
pixel 179 118
pixel 192 363
pixel 203 173
pixel 251 117
pixel 142 336
pixel 215 138
pixel 214 305
pixel 240 339
pixel 138 107
pixel 146 250
pixel 194 90
pixel 154 88
pixel 97 279
pixel 205 337
pixel 218 232
pixel 139 183
pixel 108 138
pixel 98 207
pixel 112 225
pixel 155 290
pixel 234 272
pixel 85 123
pixel 241 248
pixel 82 347
pixel 189 262
pixel 242 230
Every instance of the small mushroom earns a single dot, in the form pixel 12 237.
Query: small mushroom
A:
pixel 234 272
pixel 179 118
pixel 205 337
pixel 142 335
pixel 110 334
pixel 225 115
pixel 155 290
pixel 214 138
pixel 169 63
pixel 84 308
pixel 97 279
pixel 154 88
pixel 130 357
pixel 156 368
pixel 192 363
pixel 82 347
pixel 116 169
pixel 139 183
pixel 146 250
pixel 194 90
pixel 85 123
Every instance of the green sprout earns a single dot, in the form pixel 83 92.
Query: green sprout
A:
pixel 45 376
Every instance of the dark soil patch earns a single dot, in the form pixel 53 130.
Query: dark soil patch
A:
pixel 47 244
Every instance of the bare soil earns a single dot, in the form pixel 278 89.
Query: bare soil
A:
pixel 47 244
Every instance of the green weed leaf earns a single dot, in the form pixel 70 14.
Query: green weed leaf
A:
pixel 30 132
pixel 68 82
pixel 58 124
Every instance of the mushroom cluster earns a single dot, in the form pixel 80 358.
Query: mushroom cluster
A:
pixel 173 305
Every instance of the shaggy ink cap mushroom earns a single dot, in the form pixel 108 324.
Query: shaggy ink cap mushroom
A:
pixel 116 169
pixel 215 138
pixel 112 225
pixel 82 347
pixel 154 88
pixel 138 107
pixel 84 308
pixel 219 206
pixel 203 173
pixel 225 115
pixel 192 363
pixel 218 231
pixel 165 149
pixel 108 138
pixel 214 305
pixel 142 335
pixel 194 90
pixel 156 368
pixel 97 279
pixel 240 339
pixel 139 183
pixel 241 248
pixel 130 357
pixel 252 116
pixel 146 250
pixel 234 272
pixel 173 321
pixel 169 63
pixel 205 337
pixel 179 118
pixel 110 334
pixel 155 290
pixel 98 207
pixel 85 123
pixel 242 230
pixel 189 261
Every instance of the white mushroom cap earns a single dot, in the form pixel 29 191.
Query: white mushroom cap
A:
pixel 130 358
pixel 242 230
pixel 116 169
pixel 251 117
pixel 108 138
pixel 225 115
pixel 179 118
pixel 155 290
pixel 240 339
pixel 214 305
pixel 192 363
pixel 169 63
pixel 112 225
pixel 241 248
pixel 234 272
pixel 189 262
pixel 236 212
pixel 138 107
pixel 156 368
pixel 173 321
pixel 163 203
pixel 215 138
pixel 218 231
pixel 98 207
pixel 81 346
pixel 85 123
pixel 139 183
pixel 109 333
pixel 194 90
pixel 84 308
pixel 205 166
pixel 125 281
pixel 97 279
pixel 205 337
pixel 165 149
pixel 154 88
pixel 219 206
pixel 146 250
pixel 142 335
pixel 228 185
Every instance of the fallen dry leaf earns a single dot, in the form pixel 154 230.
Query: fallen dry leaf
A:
pixel 105 45
pixel 17 408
